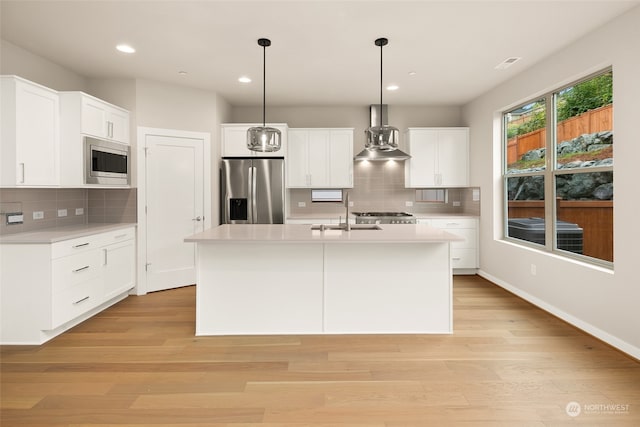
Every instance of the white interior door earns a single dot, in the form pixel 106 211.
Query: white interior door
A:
pixel 174 209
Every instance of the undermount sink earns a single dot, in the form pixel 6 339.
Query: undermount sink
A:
pixel 342 227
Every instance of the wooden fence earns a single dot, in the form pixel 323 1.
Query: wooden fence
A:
pixel 596 120
pixel 595 217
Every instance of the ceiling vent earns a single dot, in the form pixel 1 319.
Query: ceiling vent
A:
pixel 507 63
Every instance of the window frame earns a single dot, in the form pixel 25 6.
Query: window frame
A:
pixel 549 175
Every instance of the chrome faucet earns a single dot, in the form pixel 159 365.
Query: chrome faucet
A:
pixel 347 224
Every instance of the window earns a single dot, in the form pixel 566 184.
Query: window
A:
pixel 558 170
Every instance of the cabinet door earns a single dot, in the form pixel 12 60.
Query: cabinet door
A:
pixel 36 137
pixel 118 126
pixel 341 159
pixel 318 158
pixel 118 267
pixel 420 169
pixel 297 159
pixel 453 157
pixel 94 118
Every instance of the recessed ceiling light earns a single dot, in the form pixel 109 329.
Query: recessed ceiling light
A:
pixel 507 62
pixel 125 48
pixel 244 79
pixel 393 87
pixel 412 73
pixel 182 73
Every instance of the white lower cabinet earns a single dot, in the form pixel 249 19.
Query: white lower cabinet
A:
pixel 48 288
pixel 464 254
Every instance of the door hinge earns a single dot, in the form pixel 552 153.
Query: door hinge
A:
pixel 146 266
pixel 146 209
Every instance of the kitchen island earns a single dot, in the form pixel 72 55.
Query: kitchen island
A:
pixel 292 279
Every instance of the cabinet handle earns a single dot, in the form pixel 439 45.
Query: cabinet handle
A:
pixel 456 258
pixel 21 172
pixel 120 236
pixel 105 256
pixel 86 267
pixel 81 245
pixel 453 223
pixel 80 300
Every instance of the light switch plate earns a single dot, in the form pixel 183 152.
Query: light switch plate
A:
pixel 62 212
pixel 38 215
pixel 302 204
pixel 79 211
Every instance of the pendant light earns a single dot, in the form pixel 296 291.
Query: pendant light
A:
pixel 382 137
pixel 263 138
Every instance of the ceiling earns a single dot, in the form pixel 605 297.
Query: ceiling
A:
pixel 322 52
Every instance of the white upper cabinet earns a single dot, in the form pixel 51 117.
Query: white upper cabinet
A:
pixel 320 158
pixel 97 118
pixel 30 138
pixel 234 140
pixel 439 157
pixel 84 115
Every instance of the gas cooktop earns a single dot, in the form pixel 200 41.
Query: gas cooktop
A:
pixel 384 218
pixel 394 214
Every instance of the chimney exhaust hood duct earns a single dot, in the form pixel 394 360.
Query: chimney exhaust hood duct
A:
pixel 378 115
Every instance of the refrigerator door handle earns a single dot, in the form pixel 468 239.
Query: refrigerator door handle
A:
pixel 253 183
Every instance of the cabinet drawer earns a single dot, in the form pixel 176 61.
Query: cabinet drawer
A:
pixel 73 246
pixel 469 236
pixel 74 301
pixel 73 269
pixel 115 236
pixel 454 223
pixel 86 243
pixel 464 258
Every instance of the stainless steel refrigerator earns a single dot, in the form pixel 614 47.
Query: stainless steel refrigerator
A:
pixel 252 191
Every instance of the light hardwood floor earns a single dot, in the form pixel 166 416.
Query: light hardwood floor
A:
pixel 139 363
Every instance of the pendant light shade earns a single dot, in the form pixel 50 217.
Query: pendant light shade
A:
pixel 264 138
pixel 382 137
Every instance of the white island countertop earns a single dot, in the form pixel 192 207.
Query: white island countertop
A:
pixel 302 233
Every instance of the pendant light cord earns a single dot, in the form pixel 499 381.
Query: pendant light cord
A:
pixel 264 86
pixel 381 44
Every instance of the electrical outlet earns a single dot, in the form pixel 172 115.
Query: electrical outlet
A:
pixel 408 204
pixel 15 218
pixel 62 212
pixel 79 211
pixel 533 270
pixel 38 215
pixel 350 204
pixel 302 205
pixel 456 204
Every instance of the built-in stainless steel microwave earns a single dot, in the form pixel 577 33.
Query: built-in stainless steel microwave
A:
pixel 105 162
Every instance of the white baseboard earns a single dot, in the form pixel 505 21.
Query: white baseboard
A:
pixel 612 340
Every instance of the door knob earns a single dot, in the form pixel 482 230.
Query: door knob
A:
pixel 198 218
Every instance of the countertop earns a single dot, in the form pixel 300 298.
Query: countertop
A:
pixel 302 233
pixel 59 234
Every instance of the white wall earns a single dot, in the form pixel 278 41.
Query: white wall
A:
pixel 161 105
pixel 17 61
pixel 602 302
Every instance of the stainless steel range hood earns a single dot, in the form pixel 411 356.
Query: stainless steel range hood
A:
pixel 378 117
